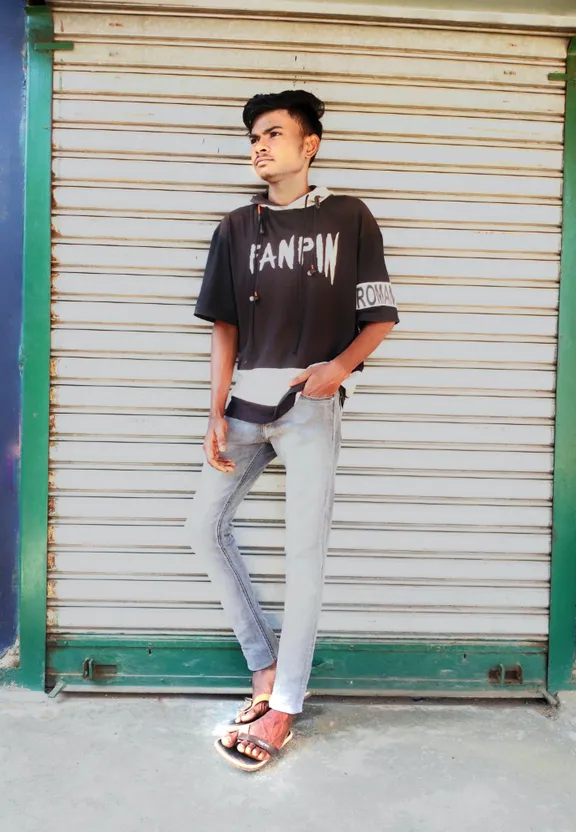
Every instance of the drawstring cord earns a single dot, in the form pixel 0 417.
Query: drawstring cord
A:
pixel 255 297
pixel 299 280
pixel 258 254
pixel 311 272
pixel 314 267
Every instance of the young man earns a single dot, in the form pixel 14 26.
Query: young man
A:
pixel 298 292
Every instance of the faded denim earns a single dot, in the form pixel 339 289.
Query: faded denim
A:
pixel 307 441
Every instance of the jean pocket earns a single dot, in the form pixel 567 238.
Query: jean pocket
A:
pixel 317 398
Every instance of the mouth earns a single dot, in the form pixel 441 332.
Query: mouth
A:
pixel 262 161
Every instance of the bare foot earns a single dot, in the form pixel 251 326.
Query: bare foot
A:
pixel 262 682
pixel 273 726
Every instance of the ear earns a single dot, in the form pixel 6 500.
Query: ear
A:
pixel 311 145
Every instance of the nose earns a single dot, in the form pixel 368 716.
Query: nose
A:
pixel 260 147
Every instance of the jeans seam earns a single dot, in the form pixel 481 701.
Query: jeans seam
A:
pixel 310 653
pixel 230 561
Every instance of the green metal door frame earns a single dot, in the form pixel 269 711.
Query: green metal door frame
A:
pixel 561 652
pixel 35 357
pixel 196 663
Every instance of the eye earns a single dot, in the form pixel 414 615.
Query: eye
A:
pixel 252 139
pixel 275 133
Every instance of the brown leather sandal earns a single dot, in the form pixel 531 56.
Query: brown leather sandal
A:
pixel 243 761
pixel 250 703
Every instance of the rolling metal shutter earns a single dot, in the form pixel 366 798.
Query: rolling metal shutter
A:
pixel 454 139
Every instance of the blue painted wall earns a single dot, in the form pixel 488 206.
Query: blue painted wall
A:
pixel 12 28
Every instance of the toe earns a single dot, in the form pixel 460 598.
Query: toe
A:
pixel 228 740
pixel 255 712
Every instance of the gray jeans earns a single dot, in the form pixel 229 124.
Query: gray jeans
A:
pixel 307 441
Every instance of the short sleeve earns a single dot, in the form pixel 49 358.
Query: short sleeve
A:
pixel 216 301
pixel 374 297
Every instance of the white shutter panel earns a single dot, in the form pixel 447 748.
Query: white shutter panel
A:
pixel 454 140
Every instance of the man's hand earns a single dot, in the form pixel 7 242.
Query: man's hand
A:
pixel 215 444
pixel 322 380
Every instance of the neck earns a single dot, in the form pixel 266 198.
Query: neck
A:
pixel 288 190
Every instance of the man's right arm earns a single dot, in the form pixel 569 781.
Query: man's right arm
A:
pixel 222 360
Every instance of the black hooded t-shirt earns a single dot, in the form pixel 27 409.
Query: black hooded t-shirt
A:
pixel 298 281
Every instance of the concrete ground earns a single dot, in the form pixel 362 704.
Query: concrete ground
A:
pixel 123 763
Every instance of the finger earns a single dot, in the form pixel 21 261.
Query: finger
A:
pixel 215 460
pixel 209 452
pixel 212 454
pixel 224 465
pixel 220 437
pixel 303 376
pixel 210 445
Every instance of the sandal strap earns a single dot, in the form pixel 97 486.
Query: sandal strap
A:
pixel 262 697
pixel 258 741
pixel 251 703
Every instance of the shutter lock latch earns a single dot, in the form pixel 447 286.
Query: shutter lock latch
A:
pixel 97 672
pixel 504 676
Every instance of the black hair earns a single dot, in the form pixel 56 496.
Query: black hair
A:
pixel 303 106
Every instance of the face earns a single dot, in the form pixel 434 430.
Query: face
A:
pixel 279 149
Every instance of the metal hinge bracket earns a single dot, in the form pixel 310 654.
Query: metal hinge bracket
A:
pixel 53 46
pixel 551 698
pixel 58 688
pixel 562 76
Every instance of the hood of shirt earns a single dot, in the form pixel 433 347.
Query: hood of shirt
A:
pixel 315 194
